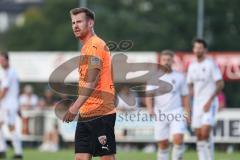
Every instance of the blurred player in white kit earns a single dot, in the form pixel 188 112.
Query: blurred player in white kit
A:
pixel 205 82
pixel 172 104
pixel 9 107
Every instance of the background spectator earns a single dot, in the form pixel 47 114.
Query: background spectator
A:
pixel 51 135
pixel 51 140
pixel 49 98
pixel 28 100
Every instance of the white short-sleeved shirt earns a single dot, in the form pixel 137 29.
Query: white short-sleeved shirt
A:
pixel 203 75
pixel 10 80
pixel 171 100
pixel 29 100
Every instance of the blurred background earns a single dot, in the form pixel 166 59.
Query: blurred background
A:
pixel 39 38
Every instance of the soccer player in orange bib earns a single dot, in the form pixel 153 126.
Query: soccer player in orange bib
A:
pixel 94 106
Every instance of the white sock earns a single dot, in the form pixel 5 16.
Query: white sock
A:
pixel 201 150
pixel 162 154
pixel 3 146
pixel 209 147
pixel 211 141
pixel 177 152
pixel 17 144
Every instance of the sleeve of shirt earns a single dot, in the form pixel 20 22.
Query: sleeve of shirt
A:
pixel 216 72
pixel 5 81
pixel 150 87
pixel 189 76
pixel 22 100
pixel 184 87
pixel 95 58
pixel 35 100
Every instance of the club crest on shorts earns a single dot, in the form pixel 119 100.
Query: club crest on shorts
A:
pixel 102 139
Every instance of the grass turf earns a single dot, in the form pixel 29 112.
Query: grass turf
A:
pixel 33 154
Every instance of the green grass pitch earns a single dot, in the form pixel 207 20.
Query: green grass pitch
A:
pixel 34 154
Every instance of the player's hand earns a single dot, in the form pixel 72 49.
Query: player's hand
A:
pixel 187 117
pixel 69 116
pixel 207 106
pixel 19 113
pixel 151 112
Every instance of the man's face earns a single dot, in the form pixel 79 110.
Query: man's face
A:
pixel 3 61
pixel 167 61
pixel 81 25
pixel 199 50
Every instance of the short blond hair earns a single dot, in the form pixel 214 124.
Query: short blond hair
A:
pixel 89 14
pixel 168 52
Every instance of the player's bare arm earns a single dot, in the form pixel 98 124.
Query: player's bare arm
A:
pixel 92 80
pixel 187 108
pixel 190 87
pixel 149 104
pixel 219 87
pixel 3 93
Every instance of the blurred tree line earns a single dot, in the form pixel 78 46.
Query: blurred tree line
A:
pixel 151 25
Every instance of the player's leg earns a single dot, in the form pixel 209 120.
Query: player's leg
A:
pixel 204 146
pixel 45 142
pixel 178 128
pixel 16 141
pixel 3 145
pixel 196 125
pixel 108 157
pixel 201 145
pixel 2 142
pixel 15 135
pixel 211 141
pixel 206 129
pixel 205 132
pixel 161 134
pixel 103 137
pixel 163 150
pixel 55 140
pixel 83 156
pixel 178 147
pixel 83 142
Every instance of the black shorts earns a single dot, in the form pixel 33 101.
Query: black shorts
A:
pixel 96 137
